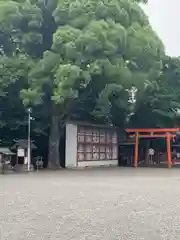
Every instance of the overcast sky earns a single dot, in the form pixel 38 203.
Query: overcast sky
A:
pixel 165 19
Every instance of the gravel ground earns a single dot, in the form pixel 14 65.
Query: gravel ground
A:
pixel 92 204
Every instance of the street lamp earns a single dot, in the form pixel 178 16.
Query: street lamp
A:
pixel 29 110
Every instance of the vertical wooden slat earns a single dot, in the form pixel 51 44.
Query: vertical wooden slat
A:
pixel 169 150
pixel 136 151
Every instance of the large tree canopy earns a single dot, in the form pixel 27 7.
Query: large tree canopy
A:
pixel 159 104
pixel 83 55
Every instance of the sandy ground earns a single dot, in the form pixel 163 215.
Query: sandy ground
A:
pixel 95 204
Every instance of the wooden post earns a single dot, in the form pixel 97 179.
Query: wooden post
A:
pixel 168 139
pixel 147 153
pixel 136 151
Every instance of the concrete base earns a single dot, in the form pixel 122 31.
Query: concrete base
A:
pixel 97 163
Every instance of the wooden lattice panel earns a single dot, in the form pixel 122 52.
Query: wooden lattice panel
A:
pixel 96 144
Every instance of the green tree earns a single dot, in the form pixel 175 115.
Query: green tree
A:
pixel 13 77
pixel 159 104
pixel 82 51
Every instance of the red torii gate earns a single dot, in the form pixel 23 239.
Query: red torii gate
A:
pixel 166 133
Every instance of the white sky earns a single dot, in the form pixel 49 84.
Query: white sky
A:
pixel 165 19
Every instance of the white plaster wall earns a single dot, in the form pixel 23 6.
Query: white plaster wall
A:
pixel 98 163
pixel 71 145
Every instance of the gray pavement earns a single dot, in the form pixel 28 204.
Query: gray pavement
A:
pixel 105 204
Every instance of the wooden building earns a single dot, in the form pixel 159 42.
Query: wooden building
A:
pixel 21 148
pixel 90 145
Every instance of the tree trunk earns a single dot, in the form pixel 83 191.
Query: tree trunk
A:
pixel 54 140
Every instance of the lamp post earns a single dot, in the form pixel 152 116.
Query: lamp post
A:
pixel 29 139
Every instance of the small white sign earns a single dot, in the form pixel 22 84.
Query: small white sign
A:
pixel 151 152
pixel 25 160
pixel 21 152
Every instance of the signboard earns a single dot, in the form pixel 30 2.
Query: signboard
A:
pixel 21 152
pixel 25 160
pixel 151 152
